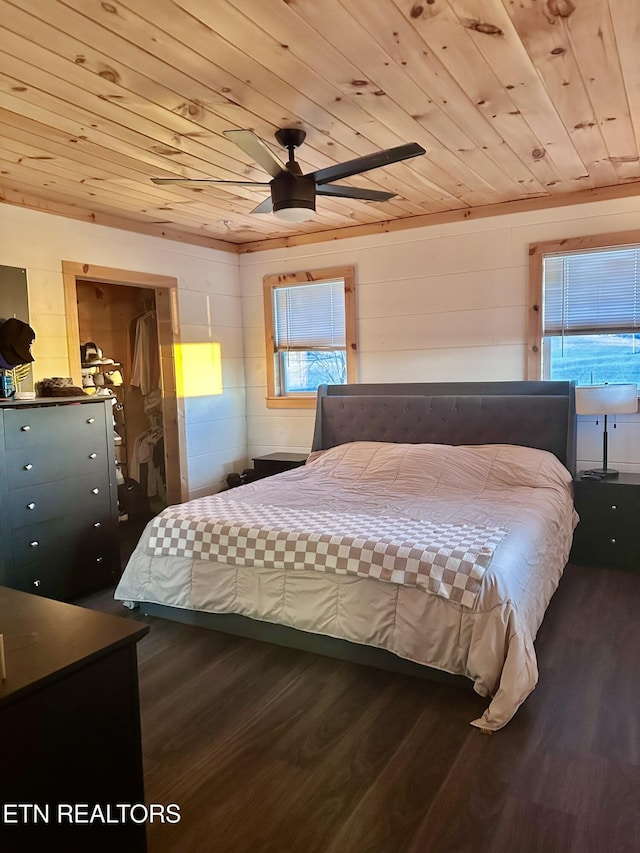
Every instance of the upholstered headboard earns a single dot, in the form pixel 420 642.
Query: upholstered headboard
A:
pixel 533 414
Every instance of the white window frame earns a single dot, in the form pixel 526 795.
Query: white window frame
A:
pixel 276 398
pixel 537 348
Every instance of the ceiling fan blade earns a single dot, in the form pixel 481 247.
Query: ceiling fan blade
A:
pixel 265 206
pixel 353 192
pixel 187 181
pixel 364 164
pixel 257 150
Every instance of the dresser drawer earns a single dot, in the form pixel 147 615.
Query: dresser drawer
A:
pixel 619 507
pixel 90 572
pixel 70 573
pixel 29 466
pixel 37 543
pixel 46 579
pixel 63 580
pixel 85 497
pixel 56 427
pixel 615 545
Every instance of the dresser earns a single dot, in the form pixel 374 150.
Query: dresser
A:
pixel 608 533
pixel 58 492
pixel 69 727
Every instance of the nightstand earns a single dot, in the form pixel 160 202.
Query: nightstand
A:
pixel 609 512
pixel 276 463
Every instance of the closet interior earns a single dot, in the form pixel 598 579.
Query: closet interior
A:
pixel 120 358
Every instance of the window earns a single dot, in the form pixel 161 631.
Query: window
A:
pixel 310 334
pixel 586 304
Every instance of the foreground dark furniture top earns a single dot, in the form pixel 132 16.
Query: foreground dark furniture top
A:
pixel 69 722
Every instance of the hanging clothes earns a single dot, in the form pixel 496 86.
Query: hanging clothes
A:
pixel 145 368
pixel 147 463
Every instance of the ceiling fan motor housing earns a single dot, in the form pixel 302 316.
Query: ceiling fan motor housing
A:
pixel 288 190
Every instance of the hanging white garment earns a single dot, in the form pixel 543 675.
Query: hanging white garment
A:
pixel 145 369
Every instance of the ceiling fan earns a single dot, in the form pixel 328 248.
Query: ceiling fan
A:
pixel 293 195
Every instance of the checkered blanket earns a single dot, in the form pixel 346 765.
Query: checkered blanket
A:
pixel 447 559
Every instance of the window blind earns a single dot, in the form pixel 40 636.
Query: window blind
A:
pixel 591 292
pixel 310 316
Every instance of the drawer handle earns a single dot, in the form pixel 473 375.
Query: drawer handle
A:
pixel 96 491
pixel 28 466
pixel 91 420
pixel 93 455
pixel 614 507
pixel 25 428
pixel 34 544
pixel 31 505
pixel 98 524
pixel 99 559
pixel 613 541
pixel 36 583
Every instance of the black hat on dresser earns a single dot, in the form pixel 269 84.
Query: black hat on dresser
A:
pixel 16 338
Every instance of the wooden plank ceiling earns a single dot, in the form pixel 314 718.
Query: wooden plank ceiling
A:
pixel 525 101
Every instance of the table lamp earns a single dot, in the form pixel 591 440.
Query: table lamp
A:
pixel 614 399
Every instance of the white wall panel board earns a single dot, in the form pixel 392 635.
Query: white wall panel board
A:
pixel 435 294
pixel 232 373
pixel 213 408
pixel 283 432
pixel 230 338
pixel 445 365
pixel 211 309
pixel 464 329
pixel 205 437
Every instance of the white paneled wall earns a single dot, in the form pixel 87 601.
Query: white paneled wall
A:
pixel 209 308
pixel 447 302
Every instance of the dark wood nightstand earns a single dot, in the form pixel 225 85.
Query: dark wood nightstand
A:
pixel 276 463
pixel 609 511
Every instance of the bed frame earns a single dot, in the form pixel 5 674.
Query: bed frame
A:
pixel 533 413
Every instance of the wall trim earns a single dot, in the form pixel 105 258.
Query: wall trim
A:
pixel 98 217
pixel 526 205
pixel 448 216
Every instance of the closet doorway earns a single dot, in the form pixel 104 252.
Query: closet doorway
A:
pixel 130 318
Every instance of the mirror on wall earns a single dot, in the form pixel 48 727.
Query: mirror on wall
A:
pixel 14 302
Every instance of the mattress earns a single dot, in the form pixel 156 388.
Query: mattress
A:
pixel 521 496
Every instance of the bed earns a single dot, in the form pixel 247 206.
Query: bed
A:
pixel 426 533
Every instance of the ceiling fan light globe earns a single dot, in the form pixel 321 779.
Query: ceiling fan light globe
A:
pixel 299 211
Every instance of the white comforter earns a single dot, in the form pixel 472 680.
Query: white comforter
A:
pixel 524 491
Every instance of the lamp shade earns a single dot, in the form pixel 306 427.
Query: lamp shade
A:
pixel 615 399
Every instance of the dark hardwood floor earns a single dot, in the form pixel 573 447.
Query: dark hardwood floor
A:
pixel 275 750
